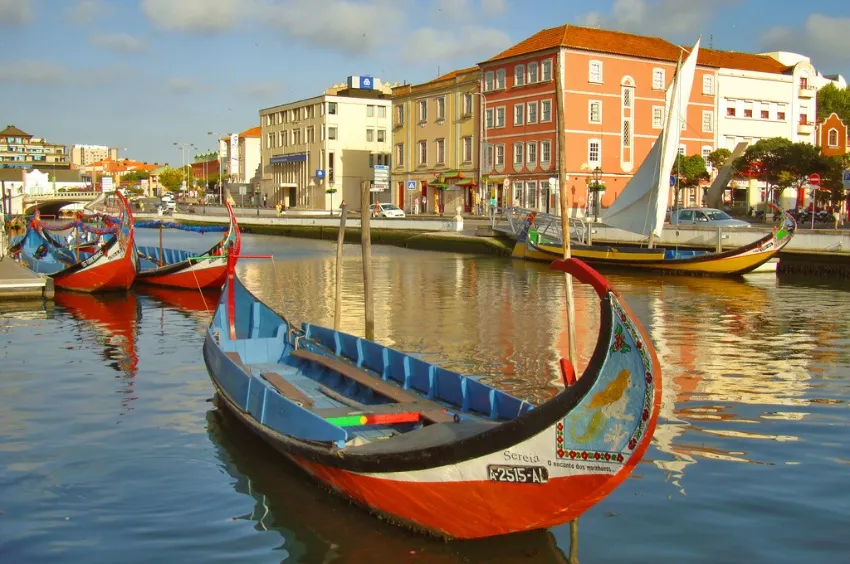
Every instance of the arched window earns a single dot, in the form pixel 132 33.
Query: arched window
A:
pixel 627 112
pixel 832 138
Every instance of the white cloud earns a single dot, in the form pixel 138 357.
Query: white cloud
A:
pixel 122 42
pixel 823 38
pixel 657 17
pixel 15 12
pixel 494 7
pixel 472 43
pixel 34 72
pixel 180 85
pixel 197 16
pixel 86 12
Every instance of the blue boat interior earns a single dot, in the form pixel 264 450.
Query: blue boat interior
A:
pixel 294 380
pixel 44 256
pixel 671 254
pixel 149 256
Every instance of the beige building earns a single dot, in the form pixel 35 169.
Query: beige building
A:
pixel 436 143
pixel 19 149
pixel 319 151
pixel 84 155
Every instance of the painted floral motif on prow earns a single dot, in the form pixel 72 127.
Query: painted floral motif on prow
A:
pixel 620 341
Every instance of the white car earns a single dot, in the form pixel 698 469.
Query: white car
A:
pixel 168 202
pixel 386 210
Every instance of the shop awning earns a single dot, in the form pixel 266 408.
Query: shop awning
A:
pixel 438 185
pixel 465 182
pixel 452 174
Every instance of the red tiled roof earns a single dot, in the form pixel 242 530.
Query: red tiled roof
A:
pixel 455 73
pixel 405 89
pixel 252 132
pixel 740 61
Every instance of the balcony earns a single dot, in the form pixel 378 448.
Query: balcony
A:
pixel 807 91
pixel 805 127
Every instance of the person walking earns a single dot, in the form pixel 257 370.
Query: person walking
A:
pixel 424 204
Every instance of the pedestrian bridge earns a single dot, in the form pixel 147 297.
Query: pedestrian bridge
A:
pixel 51 203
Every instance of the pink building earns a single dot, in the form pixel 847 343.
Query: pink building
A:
pixel 614 100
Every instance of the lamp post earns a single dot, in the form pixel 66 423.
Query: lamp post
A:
pixel 184 150
pixel 597 176
pixel 220 162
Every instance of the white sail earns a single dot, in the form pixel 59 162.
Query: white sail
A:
pixel 642 206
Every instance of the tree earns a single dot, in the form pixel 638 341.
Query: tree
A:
pixel 781 164
pixel 136 176
pixel 717 158
pixel 833 178
pixel 170 178
pixel 691 171
pixel 833 99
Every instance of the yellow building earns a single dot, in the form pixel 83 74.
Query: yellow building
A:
pixel 436 132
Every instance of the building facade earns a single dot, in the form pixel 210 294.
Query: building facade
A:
pixel 832 136
pixel 19 149
pixel 614 87
pixel 204 166
pixel 242 156
pixel 436 144
pixel 83 155
pixel 319 151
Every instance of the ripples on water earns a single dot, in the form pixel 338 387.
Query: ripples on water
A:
pixel 112 450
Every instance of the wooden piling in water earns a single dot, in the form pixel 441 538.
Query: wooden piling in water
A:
pixel 339 241
pixel 366 244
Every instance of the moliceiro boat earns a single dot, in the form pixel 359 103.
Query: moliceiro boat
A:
pixel 110 264
pixel 430 448
pixel 175 268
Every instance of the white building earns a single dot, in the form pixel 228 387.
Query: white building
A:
pixel 84 155
pixel 242 159
pixel 331 142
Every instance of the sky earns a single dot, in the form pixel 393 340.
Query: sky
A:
pixel 142 75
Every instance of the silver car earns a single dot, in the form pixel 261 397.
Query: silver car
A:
pixel 705 216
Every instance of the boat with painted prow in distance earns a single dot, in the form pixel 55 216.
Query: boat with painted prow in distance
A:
pixel 430 448
pixel 175 268
pixel 110 266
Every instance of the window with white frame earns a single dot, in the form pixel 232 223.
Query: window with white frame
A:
pixel 331 108
pixel 706 151
pixel 370 110
pixel 627 132
pixel 270 141
pixel 399 155
pixel 532 112
pixel 682 150
pixel 657 117
pixel 500 79
pixel 467 149
pixel 423 153
pixel 489 77
pixel 707 121
pixel 423 110
pixel 531 154
pixel 832 138
pixel 594 152
pixel 441 107
pixel 488 118
pixel 370 135
pixel 546 70
pixel 489 157
pixel 518 189
pixel 500 117
pixel 518 153
pixel 519 114
pixel 533 77
pixel 545 111
pixel 382 136
pixel 519 75
pixel 595 71
pixel 594 111
pixel 467 104
pixel 531 194
pixel 382 111
pixel 707 85
pixel 627 97
pixel 545 152
pixel 440 146
pixel 658 79
pixel 500 155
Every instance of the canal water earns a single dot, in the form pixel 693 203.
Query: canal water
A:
pixel 112 450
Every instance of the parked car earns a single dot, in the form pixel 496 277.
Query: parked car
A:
pixel 705 216
pixel 386 210
pixel 168 202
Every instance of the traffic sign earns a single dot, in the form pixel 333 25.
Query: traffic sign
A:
pixel 320 173
pixel 672 181
pixel 846 177
pixel 814 179
pixel 411 185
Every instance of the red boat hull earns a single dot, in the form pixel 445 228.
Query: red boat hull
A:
pixel 103 276
pixel 187 278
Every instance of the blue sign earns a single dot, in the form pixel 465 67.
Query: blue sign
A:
pixel 672 181
pixel 296 158
pixel 382 167
pixel 367 82
pixel 847 179
pixel 411 185
pixel 320 173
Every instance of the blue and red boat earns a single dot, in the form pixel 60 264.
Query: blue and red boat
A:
pixel 430 448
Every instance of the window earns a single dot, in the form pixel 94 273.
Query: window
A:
pixel 595 115
pixel 765 114
pixel 804 118
pixel 488 81
pixel 748 109
pixel 731 111
pixel 708 85
pixel 440 146
pixel 370 135
pixel 467 149
pixel 627 97
pixel 594 152
pixel 382 136
pixel 519 75
pixel 707 121
pixel 532 112
pixel 780 112
pixel 332 133
pixel 531 154
pixel 627 133
pixel 706 151
pixel 296 136
pixel 382 111
pixel 532 73
pixel 546 110
pixel 500 78
pixel 804 82
pixel 399 155
pixel 399 114
pixel 423 110
pixel 657 117
pixel 519 114
pixel 546 70
pixel 658 79
pixel 270 141
pixel 500 117
pixel 467 104
pixel 595 71
pixel 370 110
pixel 682 150
pixel 546 152
pixel 832 138
pixel 518 153
pixel 500 155
pixel 441 108
pixel 423 153
pixel 489 118
pixel 311 134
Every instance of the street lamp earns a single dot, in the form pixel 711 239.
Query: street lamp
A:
pixel 597 176
pixel 184 150
pixel 220 161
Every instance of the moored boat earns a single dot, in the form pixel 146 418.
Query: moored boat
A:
pixel 160 266
pixel 430 448
pixel 111 264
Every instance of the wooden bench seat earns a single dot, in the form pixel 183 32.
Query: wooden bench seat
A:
pixel 431 410
pixel 287 389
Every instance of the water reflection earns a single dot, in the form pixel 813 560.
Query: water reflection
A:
pixel 317 526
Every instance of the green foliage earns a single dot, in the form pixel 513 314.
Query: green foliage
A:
pixel 781 163
pixel 833 99
pixel 718 157
pixel 170 179
pixel 832 179
pixel 691 171
pixel 135 176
